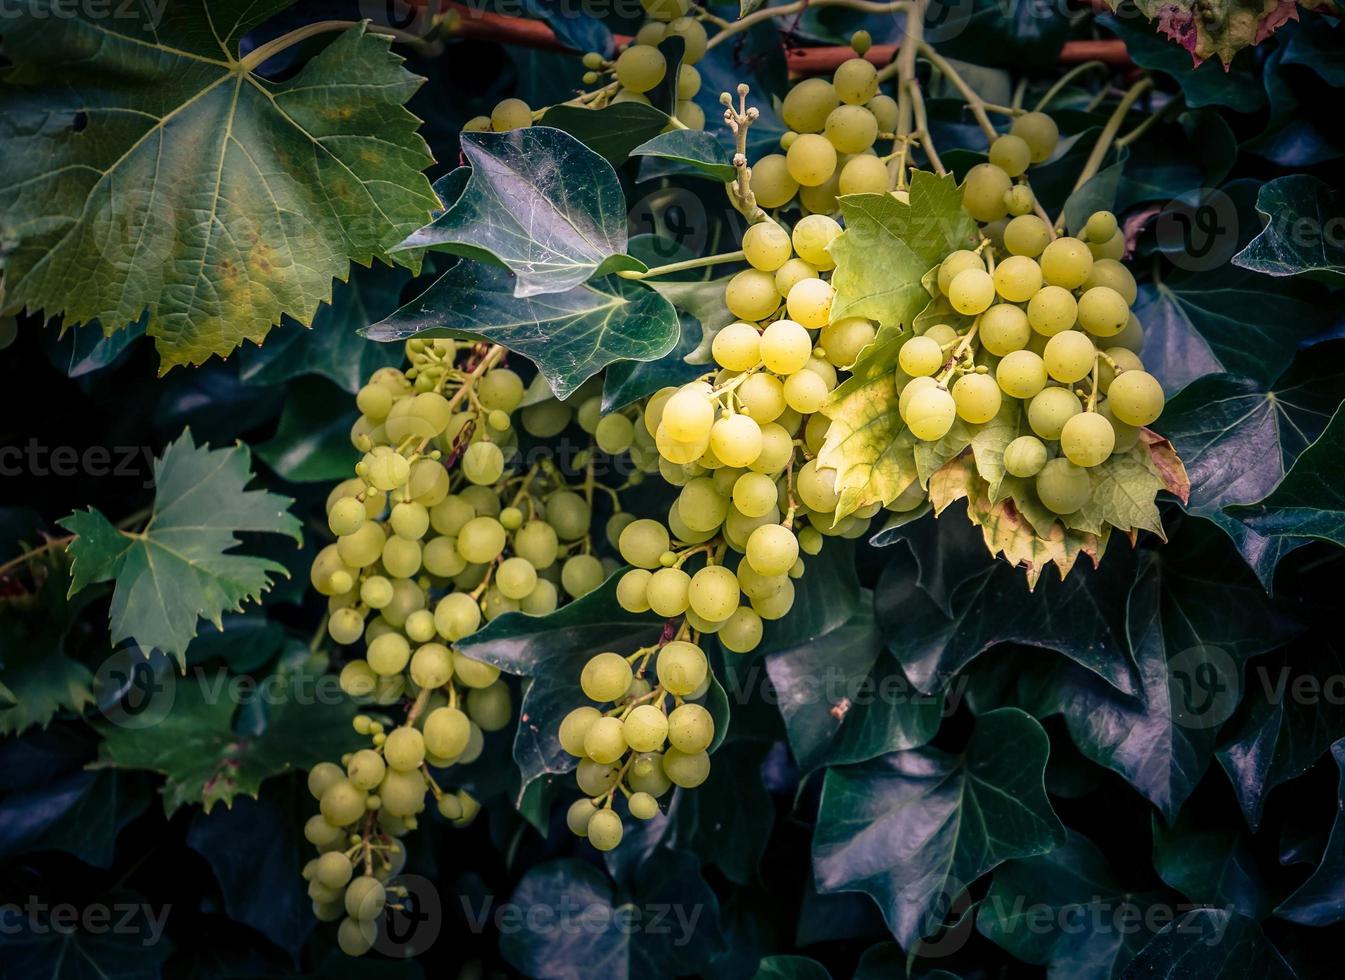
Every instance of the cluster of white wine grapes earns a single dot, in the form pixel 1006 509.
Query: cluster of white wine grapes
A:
pixel 435 534
pixel 1050 325
pixel 829 148
pixel 641 67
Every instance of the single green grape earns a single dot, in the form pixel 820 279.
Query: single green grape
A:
pixel 1025 456
pixel 1063 487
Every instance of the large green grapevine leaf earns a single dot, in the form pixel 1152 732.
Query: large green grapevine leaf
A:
pixel 1210 944
pixel 1320 901
pixel 144 167
pixel 1299 210
pixel 176 571
pixel 540 203
pixel 915 828
pixel 570 335
pixel 207 760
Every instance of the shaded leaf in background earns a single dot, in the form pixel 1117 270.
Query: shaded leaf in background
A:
pixel 699 151
pixel 1299 210
pixel 134 951
pixel 1236 87
pixel 727 820
pixel 790 968
pixel 613 132
pixel 80 351
pixel 312 442
pixel 1210 864
pixel 1320 901
pixel 1209 944
pixel 80 812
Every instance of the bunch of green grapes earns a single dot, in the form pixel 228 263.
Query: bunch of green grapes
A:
pixel 508 114
pixel 829 148
pixel 645 735
pixel 437 533
pixel 641 67
pixel 1050 325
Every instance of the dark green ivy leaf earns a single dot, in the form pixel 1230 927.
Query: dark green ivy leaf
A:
pixel 1209 944
pixel 1320 901
pixel 1300 212
pixel 613 132
pixel 698 151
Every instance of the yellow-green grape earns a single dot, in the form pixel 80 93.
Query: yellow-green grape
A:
pixel 537 542
pixel 955 263
pixel 580 575
pixel 333 870
pixel 593 61
pixel 1017 278
pixel 1066 262
pixel 481 539
pixel 713 594
pixel 604 830
pixel 691 31
pixel 596 778
pixel 365 897
pixel 766 246
pixel 690 729
pixel 643 543
pixel 785 347
pixel 1069 356
pixel 680 453
pixel 884 109
pixel 920 356
pixel 863 174
pixel 972 291
pixel 605 677
pixel 605 740
pixel 510 114
pixel 1112 248
pixel 792 273
pixel 1052 310
pixel 1118 359
pixel 389 654
pixel 1127 436
pixel 787 138
pixel 431 665
pixel 810 239
pixel 669 592
pixel 1050 409
pixel 640 67
pixel 855 81
pixel 1039 131
pixel 736 440
pixel 772 184
pixel 806 392
pixel 363 547
pixel 515 577
pixel 1025 456
pixel 342 803
pixel 477 124
pixel 643 806
pixel 701 505
pixel 457 615
pixel 450 514
pixel 632 591
pixel 574 729
pixel 772 549
pixel 482 463
pixel 645 728
pixel 1109 272
pixel 777 448
pixel 809 303
pixel 1020 200
pixel 751 295
pixel 807 105
pixel 472 672
pixel 851 128
pixel 742 631
pixel 358 679
pixel 688 82
pixel 546 418
pixel 778 603
pixel 1100 227
pixel 687 771
pixel 1087 439
pixel 1063 487
pixel 346 516
pixel 845 339
pixel 665 10
pixel 1136 398
pixel 1011 154
pixel 404 749
pixel 345 626
pixel 614 434
pixel 1004 329
pixel 821 199
pixel 983 192
pixel 617 523
pixel 1103 312
pixel 322 777
pixel 688 414
pixel 811 160
pixel 681 666
pixel 816 486
pixel 578 816
pixel 374 401
pixel 355 937
pixel 930 413
pixel 569 514
pixel 738 346
pixel 384 468
pixel 977 398
pixel 419 626
pixel 690 115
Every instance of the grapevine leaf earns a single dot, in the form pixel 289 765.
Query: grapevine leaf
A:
pixel 1210 864
pixel 1308 503
pixel 1125 487
pixel 1223 30
pixel 551 650
pixel 570 336
pixel 1238 438
pixel 206 760
pixel 1320 901
pixel 312 443
pixel 169 177
pixel 1209 944
pixel 613 132
pixel 1071 882
pixel 699 151
pixel 177 571
pixel 1276 737
pixel 889 245
pixel 1190 634
pixel 332 347
pixel 540 203
pixel 83 350
pixel 914 829
pixel 1298 210
pixel 136 950
pixel 1235 86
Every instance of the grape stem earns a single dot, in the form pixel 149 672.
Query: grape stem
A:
pixel 950 365
pixel 1105 138
pixel 264 52
pixel 1064 80
pixel 1171 108
pixel 51 544
pixel 739 121
pixel 670 268
pixel 1092 394
pixel 1045 218
pixel 789 9
pixel 975 103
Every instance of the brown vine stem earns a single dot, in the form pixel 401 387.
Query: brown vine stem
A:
pixel 52 544
pixel 974 101
pixel 1105 138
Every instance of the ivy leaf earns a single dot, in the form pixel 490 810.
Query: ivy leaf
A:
pixel 135 950
pixel 698 151
pixel 207 760
pixel 540 203
pixel 1209 944
pixel 914 829
pixel 177 571
pixel 312 443
pixel 888 246
pixel 569 335
pixel 790 968
pixel 628 381
pixel 704 300
pixel 1298 211
pixel 1308 503
pixel 332 347
pixel 1067 884
pixel 1320 901
pixel 170 177
pixel 1233 85
pixel 1210 864
pixel 1238 438
pixel 727 820
pixel 613 132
